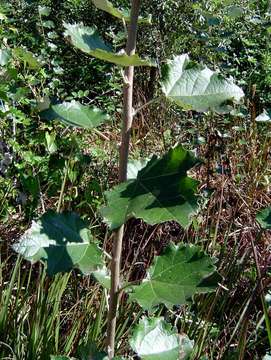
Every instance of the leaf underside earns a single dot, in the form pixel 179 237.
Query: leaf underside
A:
pixel 161 192
pixel 153 339
pixel 62 241
pixel 88 40
pixel 75 114
pixel 195 87
pixel 264 117
pixel 177 275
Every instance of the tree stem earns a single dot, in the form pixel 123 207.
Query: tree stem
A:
pixel 127 120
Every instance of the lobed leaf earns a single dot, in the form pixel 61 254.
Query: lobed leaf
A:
pixel 62 241
pixel 88 40
pixel 177 275
pixel 75 114
pixel 195 87
pixel 161 192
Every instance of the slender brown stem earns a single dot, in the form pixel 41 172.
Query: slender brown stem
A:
pixel 128 93
pixel 124 152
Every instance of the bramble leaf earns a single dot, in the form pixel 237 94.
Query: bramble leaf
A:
pixel 27 57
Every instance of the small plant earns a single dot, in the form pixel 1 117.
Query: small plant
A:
pixel 160 191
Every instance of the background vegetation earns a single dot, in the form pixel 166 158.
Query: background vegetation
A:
pixel 66 314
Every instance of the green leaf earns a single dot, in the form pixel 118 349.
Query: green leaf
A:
pixel 153 339
pixel 88 40
pixel 235 11
pixel 50 142
pixel 90 352
pixel 187 347
pixel 63 241
pixel 103 277
pixel 161 192
pixel 44 10
pixel 2 16
pixel 264 218
pixel 27 58
pixel 177 275
pixel 108 7
pixel 77 115
pixel 5 55
pixel 265 116
pixel 195 87
pixel 49 24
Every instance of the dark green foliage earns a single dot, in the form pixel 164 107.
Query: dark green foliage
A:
pixel 161 192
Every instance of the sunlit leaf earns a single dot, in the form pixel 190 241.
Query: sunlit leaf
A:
pixel 195 87
pixel 50 142
pixel 134 166
pixel 63 241
pixel 235 11
pixel 5 55
pixel 265 116
pixel 2 16
pixel 161 192
pixel 102 275
pixel 27 58
pixel 75 114
pixel 264 218
pixel 108 7
pixel 186 346
pixel 49 24
pixel 88 40
pixel 44 10
pixel 154 339
pixel 175 276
